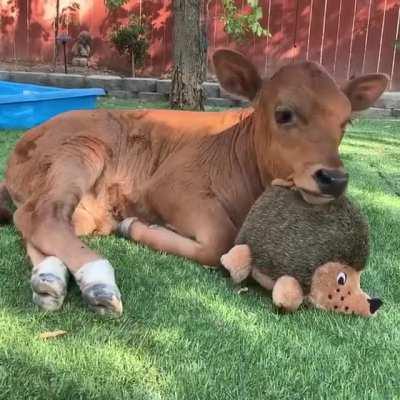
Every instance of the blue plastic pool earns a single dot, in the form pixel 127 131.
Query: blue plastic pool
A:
pixel 24 105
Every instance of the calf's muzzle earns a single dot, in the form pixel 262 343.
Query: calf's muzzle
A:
pixel 331 182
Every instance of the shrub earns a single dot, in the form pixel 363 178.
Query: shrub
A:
pixel 240 25
pixel 132 40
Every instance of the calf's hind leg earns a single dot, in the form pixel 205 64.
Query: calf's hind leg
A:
pixel 49 279
pixel 45 221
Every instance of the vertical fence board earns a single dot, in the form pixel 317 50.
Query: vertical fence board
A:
pixel 395 73
pixel 395 82
pixel 21 38
pixel 259 46
pixel 266 4
pixel 289 28
pixel 303 21
pixel 316 30
pixel 374 36
pixel 168 36
pixel 359 36
pixel 8 18
pixel 345 35
pixel 349 37
pixel 275 42
pixel 389 37
pixel 41 43
pixel 329 44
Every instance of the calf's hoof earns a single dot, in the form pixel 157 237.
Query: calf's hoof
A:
pixel 103 299
pixel 96 280
pixel 49 284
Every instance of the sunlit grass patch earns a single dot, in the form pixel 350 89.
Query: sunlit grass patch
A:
pixel 187 334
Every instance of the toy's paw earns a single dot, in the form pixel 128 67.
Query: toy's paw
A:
pixel 49 284
pixel 103 299
pixel 238 262
pixel 287 293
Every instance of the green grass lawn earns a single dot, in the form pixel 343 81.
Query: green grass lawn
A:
pixel 187 334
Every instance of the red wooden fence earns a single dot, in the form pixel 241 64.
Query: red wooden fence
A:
pixel 349 37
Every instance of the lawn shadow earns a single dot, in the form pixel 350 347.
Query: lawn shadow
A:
pixel 371 138
pixel 185 319
pixel 100 369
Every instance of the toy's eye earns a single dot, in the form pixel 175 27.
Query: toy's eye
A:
pixel 341 278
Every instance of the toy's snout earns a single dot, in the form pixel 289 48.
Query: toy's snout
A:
pixel 374 305
pixel 336 287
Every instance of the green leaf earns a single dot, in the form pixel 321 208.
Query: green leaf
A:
pixel 238 25
pixel 258 13
pixel 252 3
pixel 114 4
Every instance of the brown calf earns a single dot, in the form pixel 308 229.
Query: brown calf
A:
pixel 181 182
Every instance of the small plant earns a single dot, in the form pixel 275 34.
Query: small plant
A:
pixel 239 25
pixel 114 4
pixel 132 40
pixel 397 44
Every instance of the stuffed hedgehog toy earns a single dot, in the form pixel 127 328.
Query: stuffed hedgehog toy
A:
pixel 303 252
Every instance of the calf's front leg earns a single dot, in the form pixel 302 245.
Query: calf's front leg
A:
pixel 199 237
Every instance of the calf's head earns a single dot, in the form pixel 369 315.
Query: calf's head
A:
pixel 300 119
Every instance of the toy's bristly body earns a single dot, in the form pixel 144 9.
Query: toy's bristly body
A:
pixel 291 237
pixel 323 247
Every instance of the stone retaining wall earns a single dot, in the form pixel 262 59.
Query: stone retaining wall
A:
pixel 146 89
pixel 150 89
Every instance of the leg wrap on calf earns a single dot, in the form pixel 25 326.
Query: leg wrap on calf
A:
pixel 49 283
pixel 99 271
pixel 96 280
pixel 124 227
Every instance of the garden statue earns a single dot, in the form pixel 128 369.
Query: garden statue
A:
pixel 82 49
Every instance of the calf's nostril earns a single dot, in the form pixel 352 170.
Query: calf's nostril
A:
pixel 323 176
pixel 374 305
pixel 331 181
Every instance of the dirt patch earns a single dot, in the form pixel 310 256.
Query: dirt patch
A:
pixel 42 67
pixel 93 69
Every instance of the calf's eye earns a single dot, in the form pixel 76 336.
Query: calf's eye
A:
pixel 341 278
pixel 284 116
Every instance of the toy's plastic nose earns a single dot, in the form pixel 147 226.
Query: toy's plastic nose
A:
pixel 374 305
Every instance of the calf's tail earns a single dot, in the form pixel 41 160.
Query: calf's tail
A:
pixel 6 215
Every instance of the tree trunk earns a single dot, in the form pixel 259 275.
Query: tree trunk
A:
pixel 190 55
pixel 133 64
pixel 56 21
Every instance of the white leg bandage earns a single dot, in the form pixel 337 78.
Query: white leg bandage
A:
pixel 95 272
pixel 49 283
pixel 125 226
pixel 52 265
pixel 96 280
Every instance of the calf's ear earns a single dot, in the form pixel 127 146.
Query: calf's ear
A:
pixel 236 74
pixel 365 90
